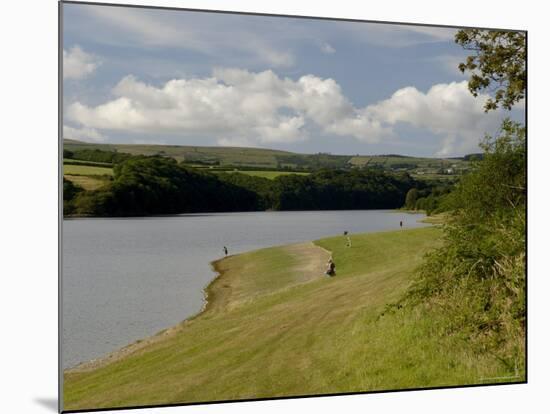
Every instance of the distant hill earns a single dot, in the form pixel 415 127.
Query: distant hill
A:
pixel 269 159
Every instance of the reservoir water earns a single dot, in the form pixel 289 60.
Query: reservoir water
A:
pixel 128 278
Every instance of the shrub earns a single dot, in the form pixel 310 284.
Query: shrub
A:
pixel 477 278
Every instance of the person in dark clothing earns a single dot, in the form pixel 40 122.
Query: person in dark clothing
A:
pixel 401 224
pixel 225 250
pixel 331 268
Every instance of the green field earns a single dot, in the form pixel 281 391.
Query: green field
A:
pixel 265 174
pixel 276 326
pixel 86 170
pixel 262 158
pixel 227 155
pixel 73 161
pixel 87 182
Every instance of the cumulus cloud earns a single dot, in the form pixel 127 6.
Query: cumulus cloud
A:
pixel 447 110
pixel 83 134
pixel 77 64
pixel 239 107
pixel 232 105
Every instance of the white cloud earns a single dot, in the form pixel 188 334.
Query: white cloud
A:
pixel 232 104
pixel 78 64
pixel 238 107
pixel 447 110
pixel 328 49
pixel 83 134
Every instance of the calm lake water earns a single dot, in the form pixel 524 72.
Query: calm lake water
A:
pixel 128 278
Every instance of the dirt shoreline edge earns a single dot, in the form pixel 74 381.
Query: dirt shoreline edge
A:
pixel 139 344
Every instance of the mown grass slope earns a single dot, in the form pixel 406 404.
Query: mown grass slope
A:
pixel 275 326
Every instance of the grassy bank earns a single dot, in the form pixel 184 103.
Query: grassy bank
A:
pixel 275 326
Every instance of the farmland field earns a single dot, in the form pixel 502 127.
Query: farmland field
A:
pixel 73 161
pixel 86 182
pixel 86 170
pixel 266 174
pixel 266 159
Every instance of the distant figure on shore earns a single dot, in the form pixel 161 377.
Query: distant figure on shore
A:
pixel 225 250
pixel 348 239
pixel 330 268
pixel 401 224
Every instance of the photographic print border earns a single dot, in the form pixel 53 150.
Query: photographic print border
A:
pixel 60 202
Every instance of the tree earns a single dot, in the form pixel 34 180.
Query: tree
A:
pixel 498 65
pixel 410 199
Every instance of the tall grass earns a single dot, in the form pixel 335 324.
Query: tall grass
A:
pixel 477 279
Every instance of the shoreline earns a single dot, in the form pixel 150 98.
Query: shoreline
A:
pixel 142 342
pixel 138 344
pixel 205 213
pixel 207 293
pixel 265 318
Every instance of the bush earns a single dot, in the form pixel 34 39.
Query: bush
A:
pixel 477 278
pixel 70 190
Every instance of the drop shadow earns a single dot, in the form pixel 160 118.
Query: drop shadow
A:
pixel 49 403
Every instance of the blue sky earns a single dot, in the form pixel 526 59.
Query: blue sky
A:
pixel 192 78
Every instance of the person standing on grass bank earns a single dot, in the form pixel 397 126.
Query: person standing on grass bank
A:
pixel 330 268
pixel 401 224
pixel 348 239
pixel 225 250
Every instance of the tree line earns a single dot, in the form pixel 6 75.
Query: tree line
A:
pixel 145 185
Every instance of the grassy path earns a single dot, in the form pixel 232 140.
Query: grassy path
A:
pixel 275 326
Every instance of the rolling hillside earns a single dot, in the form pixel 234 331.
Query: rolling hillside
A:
pixel 268 159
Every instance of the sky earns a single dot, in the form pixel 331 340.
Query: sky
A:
pixel 151 76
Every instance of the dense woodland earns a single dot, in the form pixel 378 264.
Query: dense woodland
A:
pixel 159 185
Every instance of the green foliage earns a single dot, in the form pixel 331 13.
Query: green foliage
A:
pixel 428 196
pixel 154 185
pixel 429 204
pixel 97 155
pixel 338 190
pixel 498 65
pixel 477 278
pixel 410 199
pixel 70 191
pixel 263 187
pixel 159 185
pixel 260 159
pixel 473 157
pixel 67 154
